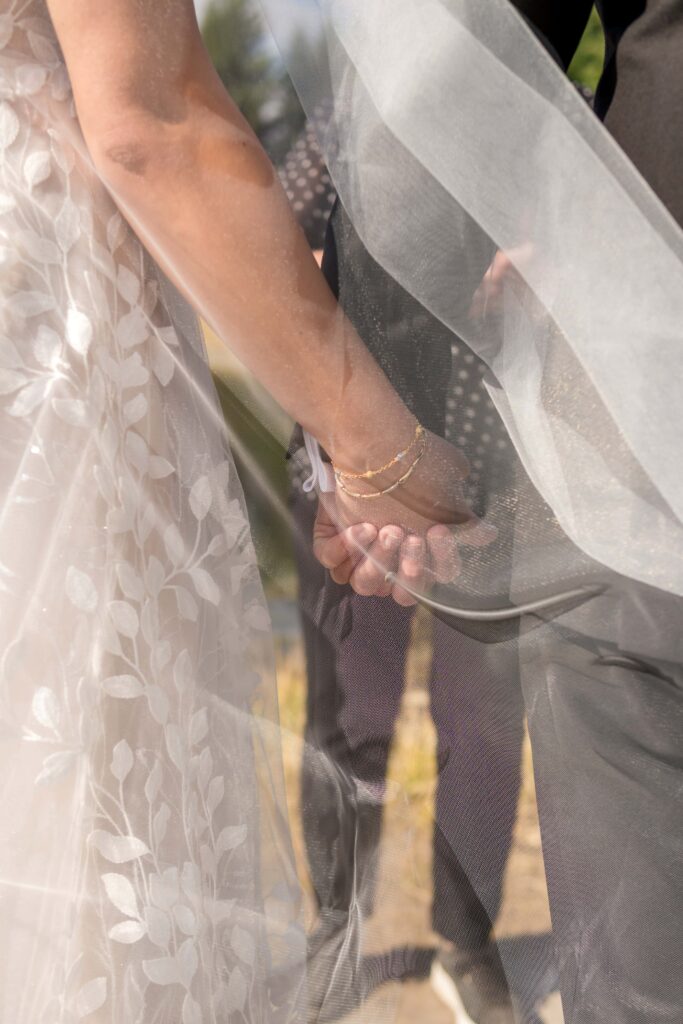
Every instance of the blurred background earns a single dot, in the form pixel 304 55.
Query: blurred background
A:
pixel 248 63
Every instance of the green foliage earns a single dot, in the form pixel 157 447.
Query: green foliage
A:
pixel 237 41
pixel 265 490
pixel 292 117
pixel 586 66
pixel 233 33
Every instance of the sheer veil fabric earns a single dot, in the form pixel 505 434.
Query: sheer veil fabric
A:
pixel 455 136
pixel 458 146
pixel 145 867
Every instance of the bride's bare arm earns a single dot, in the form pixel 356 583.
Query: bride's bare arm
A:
pixel 193 180
pixel 195 183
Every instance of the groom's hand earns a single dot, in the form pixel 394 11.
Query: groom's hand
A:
pixel 400 543
pixel 377 562
pixel 505 272
pixel 339 550
pixel 389 561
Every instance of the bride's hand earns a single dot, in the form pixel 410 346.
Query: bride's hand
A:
pixel 411 535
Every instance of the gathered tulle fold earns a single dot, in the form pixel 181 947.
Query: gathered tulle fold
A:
pixel 455 137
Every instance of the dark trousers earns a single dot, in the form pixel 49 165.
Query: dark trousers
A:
pixel 606 725
pixel 606 714
pixel 356 652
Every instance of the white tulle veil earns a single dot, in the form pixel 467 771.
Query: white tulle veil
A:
pixel 454 135
pixel 138 726
pixel 456 145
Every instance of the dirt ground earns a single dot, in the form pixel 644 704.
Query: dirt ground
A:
pixel 404 890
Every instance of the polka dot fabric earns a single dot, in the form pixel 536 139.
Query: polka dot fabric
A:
pixel 473 424
pixel 307 183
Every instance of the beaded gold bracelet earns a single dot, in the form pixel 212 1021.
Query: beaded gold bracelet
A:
pixel 369 473
pixel 387 490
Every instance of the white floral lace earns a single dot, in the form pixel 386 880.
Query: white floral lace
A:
pixel 143 876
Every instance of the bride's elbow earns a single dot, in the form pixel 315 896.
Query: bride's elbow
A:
pixel 133 152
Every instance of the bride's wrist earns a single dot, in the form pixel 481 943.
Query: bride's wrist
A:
pixel 370 446
pixel 377 448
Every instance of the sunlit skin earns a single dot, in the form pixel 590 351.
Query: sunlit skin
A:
pixel 192 179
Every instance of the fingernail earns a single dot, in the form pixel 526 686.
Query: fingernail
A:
pixel 365 533
pixel 391 540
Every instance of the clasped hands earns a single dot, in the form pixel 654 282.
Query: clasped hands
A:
pixel 401 543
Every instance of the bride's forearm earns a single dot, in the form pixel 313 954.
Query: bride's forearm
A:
pixel 206 201
pixel 196 185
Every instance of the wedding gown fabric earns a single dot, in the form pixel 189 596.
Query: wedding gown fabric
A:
pixel 145 867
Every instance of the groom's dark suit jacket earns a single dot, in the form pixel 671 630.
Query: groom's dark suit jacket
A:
pixel 640 95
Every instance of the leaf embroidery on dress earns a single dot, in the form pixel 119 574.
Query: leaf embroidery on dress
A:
pixel 137 721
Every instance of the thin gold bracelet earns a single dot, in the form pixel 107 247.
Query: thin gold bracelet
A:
pixel 387 490
pixel 369 473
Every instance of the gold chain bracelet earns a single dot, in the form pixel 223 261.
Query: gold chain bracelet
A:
pixel 387 490
pixel 369 473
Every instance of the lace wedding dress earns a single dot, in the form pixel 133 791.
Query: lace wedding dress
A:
pixel 145 871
